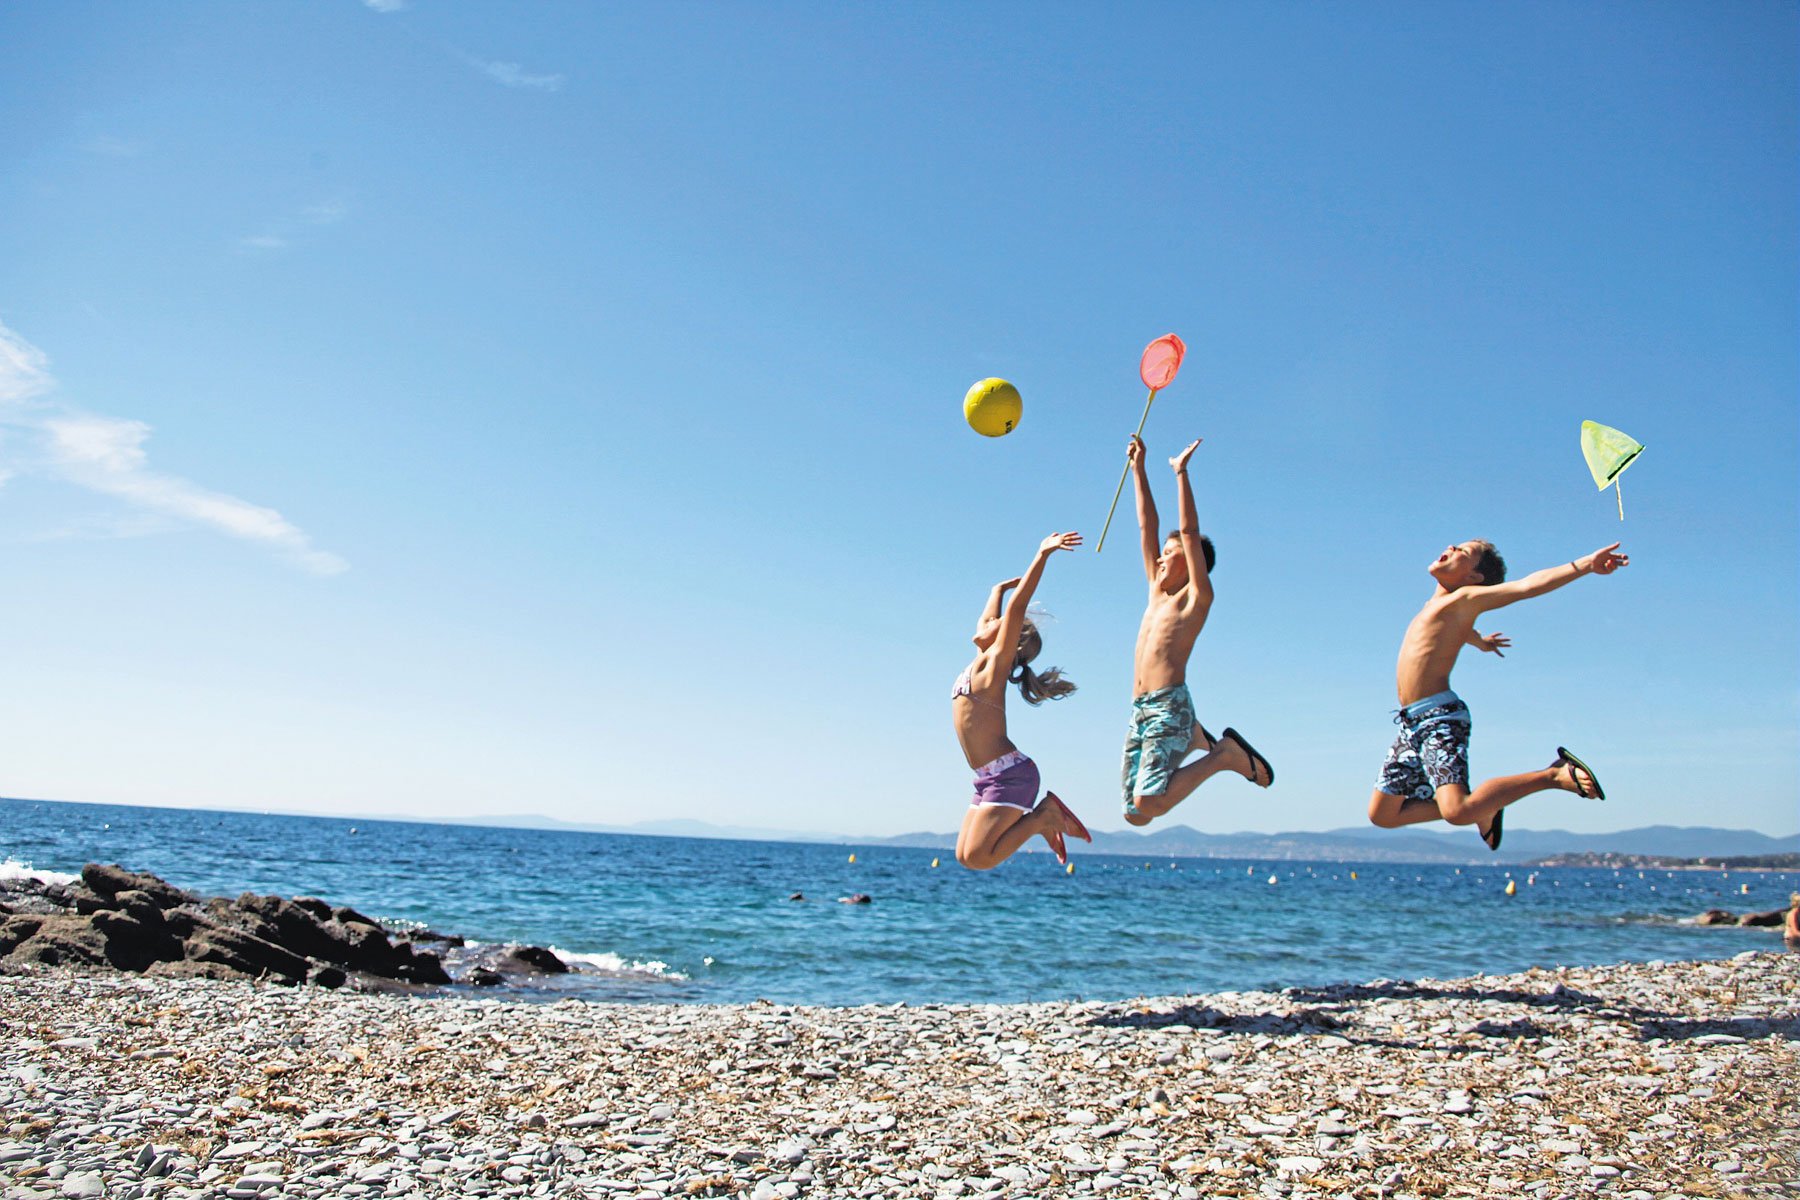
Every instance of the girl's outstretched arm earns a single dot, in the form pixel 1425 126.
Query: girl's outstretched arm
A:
pixel 1012 620
pixel 990 615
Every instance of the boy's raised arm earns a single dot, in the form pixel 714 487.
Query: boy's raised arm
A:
pixel 1149 536
pixel 1198 579
pixel 1603 561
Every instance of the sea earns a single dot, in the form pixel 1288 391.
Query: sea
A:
pixel 694 920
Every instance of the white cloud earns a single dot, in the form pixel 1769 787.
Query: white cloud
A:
pixel 326 212
pixel 512 75
pixel 24 371
pixel 106 455
pixel 109 146
pixel 282 232
pixel 105 527
pixel 386 6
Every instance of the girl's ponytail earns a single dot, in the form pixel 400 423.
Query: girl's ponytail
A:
pixel 1034 687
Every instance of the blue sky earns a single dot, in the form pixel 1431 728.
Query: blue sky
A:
pixel 460 409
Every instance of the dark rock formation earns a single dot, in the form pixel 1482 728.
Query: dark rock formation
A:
pixel 136 922
pixel 1720 916
pixel 111 880
pixel 532 960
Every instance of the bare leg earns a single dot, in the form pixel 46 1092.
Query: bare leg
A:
pixel 1198 741
pixel 1391 812
pixel 993 833
pixel 1461 807
pixel 1225 755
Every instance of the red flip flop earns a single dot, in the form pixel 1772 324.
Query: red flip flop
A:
pixel 1079 830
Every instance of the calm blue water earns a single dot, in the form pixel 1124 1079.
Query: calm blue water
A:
pixel 684 919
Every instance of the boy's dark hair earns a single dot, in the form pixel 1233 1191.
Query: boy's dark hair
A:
pixel 1206 548
pixel 1490 566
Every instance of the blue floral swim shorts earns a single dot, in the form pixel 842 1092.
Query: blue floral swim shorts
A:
pixel 1162 727
pixel 1431 750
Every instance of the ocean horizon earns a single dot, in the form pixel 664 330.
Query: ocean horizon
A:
pixel 649 918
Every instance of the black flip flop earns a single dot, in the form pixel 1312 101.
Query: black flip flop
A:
pixel 1211 741
pixel 1256 760
pixel 1495 832
pixel 1599 793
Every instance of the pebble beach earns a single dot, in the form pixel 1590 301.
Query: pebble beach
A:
pixel 1642 1080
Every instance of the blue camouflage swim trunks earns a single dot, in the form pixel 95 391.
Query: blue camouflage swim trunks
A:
pixel 1162 726
pixel 1431 750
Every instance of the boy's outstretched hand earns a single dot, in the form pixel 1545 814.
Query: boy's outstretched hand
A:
pixel 1180 461
pixel 1059 541
pixel 1605 560
pixel 1493 643
pixel 1134 451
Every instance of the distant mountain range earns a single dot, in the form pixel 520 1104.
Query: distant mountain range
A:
pixel 1360 843
pixel 1354 844
pixel 1449 846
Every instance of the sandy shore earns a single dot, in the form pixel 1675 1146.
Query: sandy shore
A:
pixel 1634 1081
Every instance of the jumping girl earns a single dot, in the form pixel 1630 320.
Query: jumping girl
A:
pixel 1005 814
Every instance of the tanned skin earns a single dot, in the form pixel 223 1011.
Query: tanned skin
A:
pixel 1181 596
pixel 992 832
pixel 1428 653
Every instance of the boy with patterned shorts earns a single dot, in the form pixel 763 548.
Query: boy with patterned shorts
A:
pixel 1426 775
pixel 1163 729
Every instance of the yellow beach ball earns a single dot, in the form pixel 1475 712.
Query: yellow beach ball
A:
pixel 992 407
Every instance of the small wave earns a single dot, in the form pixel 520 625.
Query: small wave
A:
pixel 14 871
pixel 612 964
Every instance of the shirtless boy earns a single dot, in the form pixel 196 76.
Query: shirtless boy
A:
pixel 1163 729
pixel 1426 776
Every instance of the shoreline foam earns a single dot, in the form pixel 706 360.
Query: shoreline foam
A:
pixel 1632 1080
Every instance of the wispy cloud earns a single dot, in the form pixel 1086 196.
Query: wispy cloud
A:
pixel 326 212
pixel 512 75
pixel 283 232
pixel 24 371
pixel 386 6
pixel 106 455
pixel 108 146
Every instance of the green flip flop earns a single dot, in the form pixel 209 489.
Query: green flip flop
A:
pixel 1599 793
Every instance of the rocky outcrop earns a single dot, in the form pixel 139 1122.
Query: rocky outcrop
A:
pixel 1721 916
pixel 531 960
pixel 131 921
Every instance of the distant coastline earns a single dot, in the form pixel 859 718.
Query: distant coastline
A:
pixel 1700 847
pixel 1662 862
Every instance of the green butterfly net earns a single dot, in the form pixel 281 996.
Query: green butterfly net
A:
pixel 1608 453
